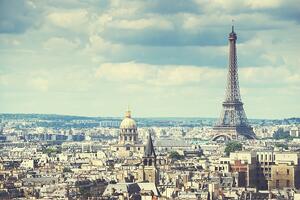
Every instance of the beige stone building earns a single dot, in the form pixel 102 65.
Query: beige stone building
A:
pixel 285 172
pixel 129 143
pixel 244 163
pixel 264 162
pixel 267 169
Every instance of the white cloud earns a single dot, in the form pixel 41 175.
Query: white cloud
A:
pixel 157 23
pixel 4 79
pixel 230 6
pixel 39 83
pixel 271 76
pixel 167 75
pixel 71 19
pixel 179 75
pixel 99 45
pixel 59 43
pixel 130 71
pixel 264 4
pixel 182 75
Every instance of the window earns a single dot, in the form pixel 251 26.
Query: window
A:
pixel 277 172
pixel 277 183
pixel 127 148
pixel 288 172
pixel 287 183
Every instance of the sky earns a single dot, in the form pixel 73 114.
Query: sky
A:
pixel 163 58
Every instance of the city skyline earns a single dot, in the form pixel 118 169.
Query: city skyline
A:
pixel 95 58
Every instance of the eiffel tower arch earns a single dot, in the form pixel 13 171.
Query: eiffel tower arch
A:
pixel 233 123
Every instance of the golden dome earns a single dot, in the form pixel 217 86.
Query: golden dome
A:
pixel 128 122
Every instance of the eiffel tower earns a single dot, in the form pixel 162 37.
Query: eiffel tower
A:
pixel 233 123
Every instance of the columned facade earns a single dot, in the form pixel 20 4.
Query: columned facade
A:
pixel 128 143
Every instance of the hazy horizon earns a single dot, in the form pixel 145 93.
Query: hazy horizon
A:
pixel 140 117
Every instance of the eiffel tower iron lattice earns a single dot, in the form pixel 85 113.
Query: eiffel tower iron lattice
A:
pixel 233 123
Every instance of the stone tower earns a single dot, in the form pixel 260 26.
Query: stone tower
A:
pixel 148 171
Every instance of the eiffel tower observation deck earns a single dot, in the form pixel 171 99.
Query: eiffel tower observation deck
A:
pixel 233 123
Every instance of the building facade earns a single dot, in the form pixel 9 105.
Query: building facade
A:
pixel 129 143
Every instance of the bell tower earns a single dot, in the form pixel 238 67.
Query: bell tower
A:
pixel 148 169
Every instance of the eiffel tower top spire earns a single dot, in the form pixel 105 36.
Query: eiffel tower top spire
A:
pixel 232 90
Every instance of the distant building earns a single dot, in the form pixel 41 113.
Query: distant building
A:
pixel 168 145
pixel 266 169
pixel 129 143
pixel 295 131
pixel 148 171
pixel 285 173
pixel 264 161
pixel 133 190
pixel 244 163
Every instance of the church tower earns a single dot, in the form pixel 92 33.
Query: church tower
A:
pixel 148 170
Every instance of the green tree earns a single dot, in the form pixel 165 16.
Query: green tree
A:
pixel 51 150
pixel 282 145
pixel 232 147
pixel 174 155
pixel 67 169
pixel 281 134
